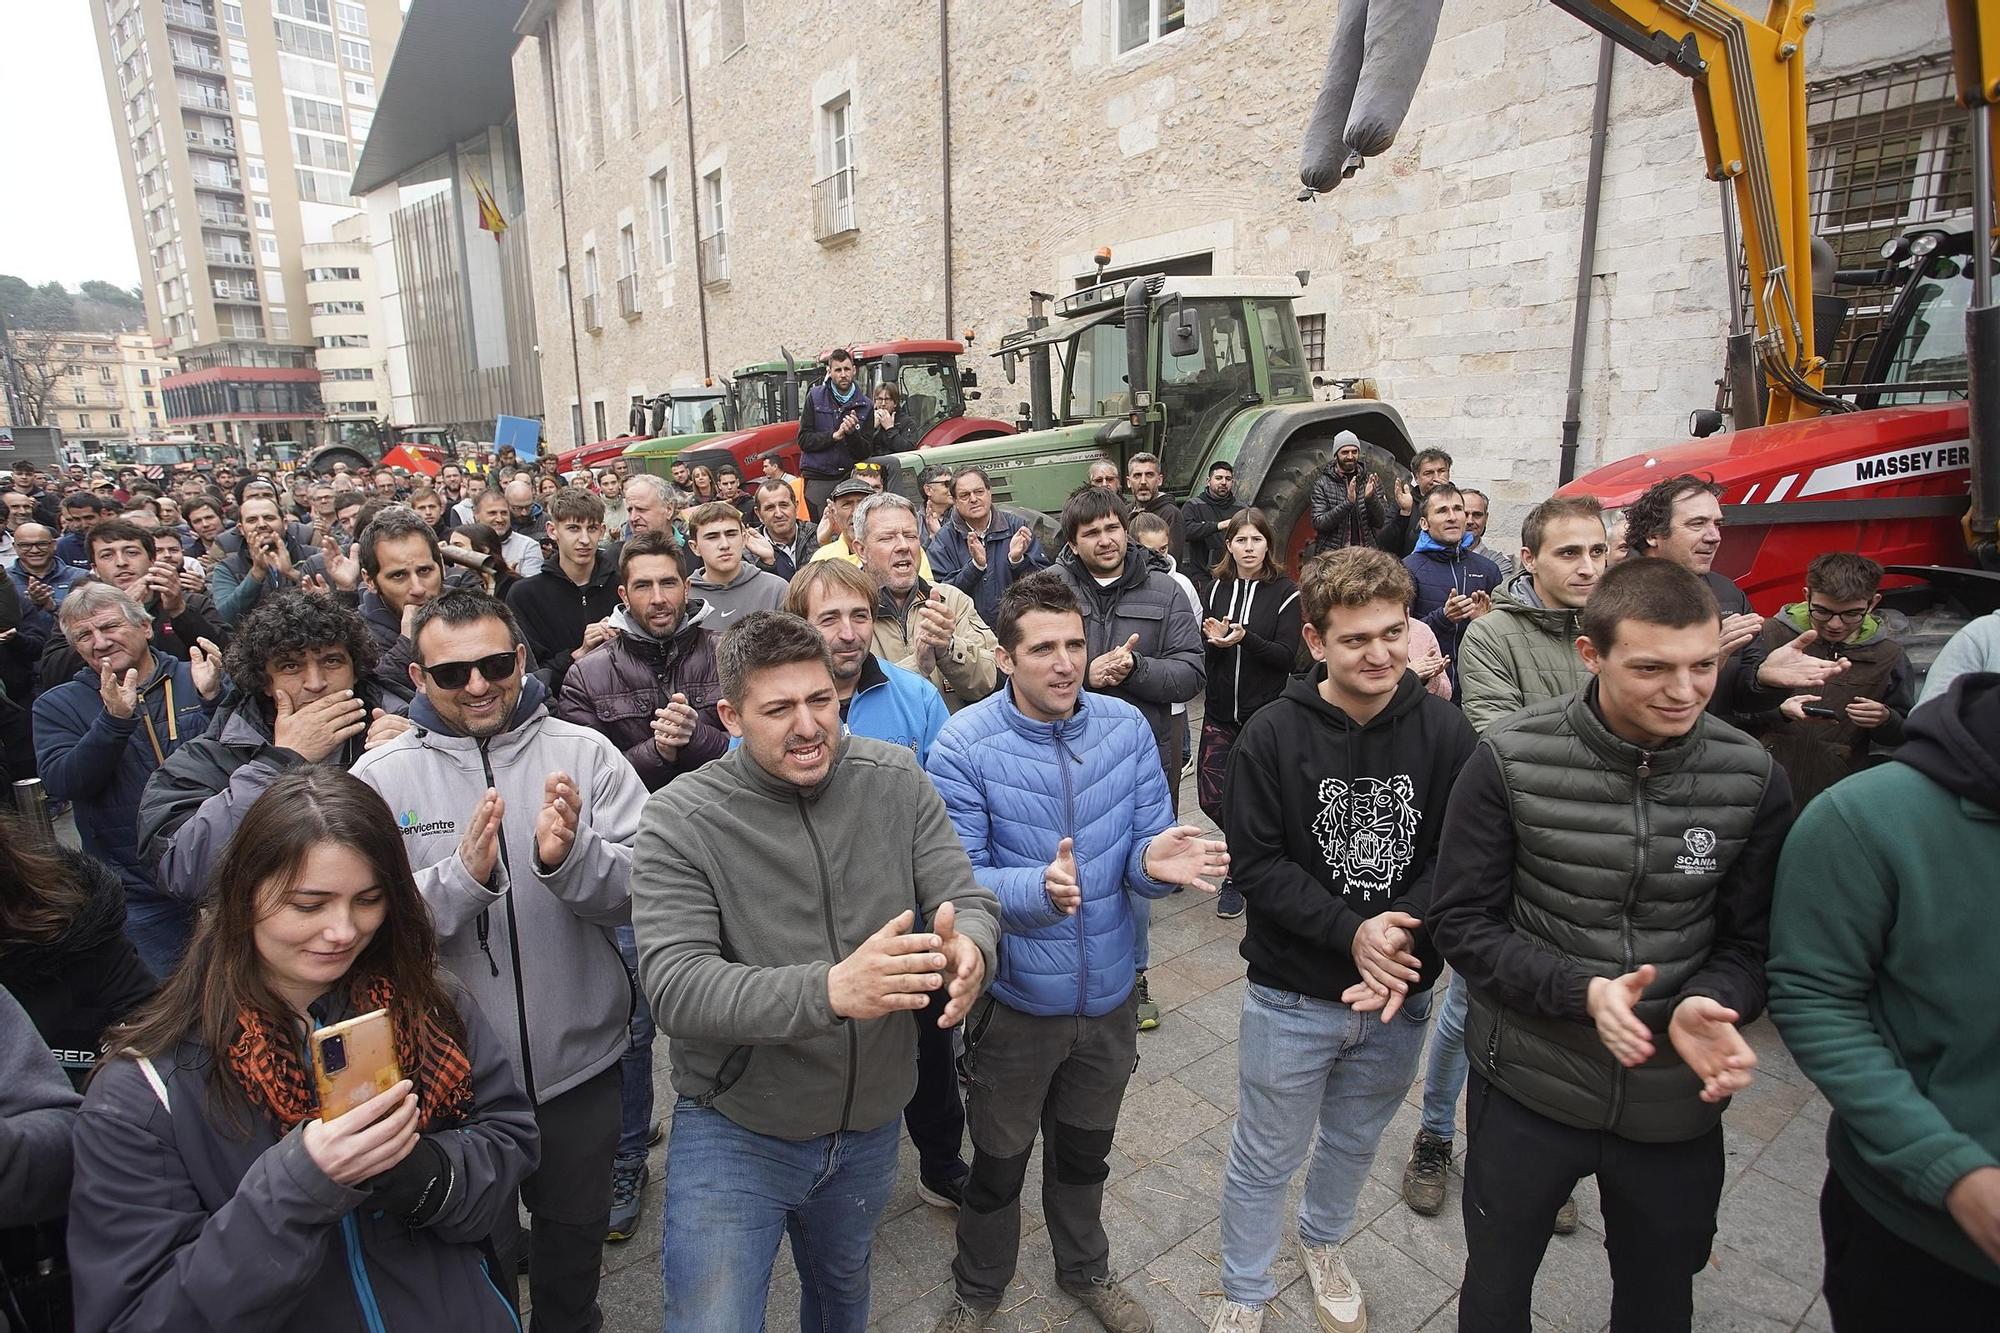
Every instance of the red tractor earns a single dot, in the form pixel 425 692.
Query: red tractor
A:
pixel 767 398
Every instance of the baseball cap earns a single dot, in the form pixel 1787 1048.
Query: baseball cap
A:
pixel 851 486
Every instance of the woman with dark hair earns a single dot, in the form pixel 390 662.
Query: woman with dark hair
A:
pixel 497 576
pixel 66 962
pixel 210 1193
pixel 63 951
pixel 894 431
pixel 1251 624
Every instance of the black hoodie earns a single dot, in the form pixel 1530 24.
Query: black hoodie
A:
pixel 86 979
pixel 1329 823
pixel 554 612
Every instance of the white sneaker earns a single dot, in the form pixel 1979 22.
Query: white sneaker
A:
pixel 1234 1318
pixel 1336 1295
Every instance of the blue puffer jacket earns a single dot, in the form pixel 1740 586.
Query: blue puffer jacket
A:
pixel 1438 572
pixel 1015 788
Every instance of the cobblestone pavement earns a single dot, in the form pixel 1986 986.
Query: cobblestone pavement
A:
pixel 1165 1193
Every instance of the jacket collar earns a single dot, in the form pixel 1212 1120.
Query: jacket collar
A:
pixel 693 612
pixel 528 708
pixel 872 675
pixel 1615 751
pixel 1431 546
pixel 755 778
pixel 1139 562
pixel 1798 615
pixel 1067 730
pixel 1520 598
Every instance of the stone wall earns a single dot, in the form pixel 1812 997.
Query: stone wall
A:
pixel 1446 270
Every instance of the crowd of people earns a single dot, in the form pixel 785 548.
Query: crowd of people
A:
pixel 862 800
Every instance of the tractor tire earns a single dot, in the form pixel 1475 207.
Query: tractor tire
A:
pixel 322 460
pixel 1286 499
pixel 1286 496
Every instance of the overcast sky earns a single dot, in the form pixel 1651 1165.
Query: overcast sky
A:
pixel 62 203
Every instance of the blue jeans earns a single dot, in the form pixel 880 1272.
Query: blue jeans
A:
pixel 1307 1065
pixel 159 929
pixel 1444 1076
pixel 1142 930
pixel 635 1067
pixel 732 1194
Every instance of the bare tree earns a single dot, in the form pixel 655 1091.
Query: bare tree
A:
pixel 40 365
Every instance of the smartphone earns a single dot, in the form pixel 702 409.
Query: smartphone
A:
pixel 1820 711
pixel 354 1061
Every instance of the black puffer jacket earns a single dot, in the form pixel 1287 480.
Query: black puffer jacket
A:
pixel 86 979
pixel 1342 520
pixel 615 688
pixel 1147 602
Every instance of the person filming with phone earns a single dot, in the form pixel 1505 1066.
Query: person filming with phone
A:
pixel 215 1184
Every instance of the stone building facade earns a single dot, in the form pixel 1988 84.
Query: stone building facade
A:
pixel 806 150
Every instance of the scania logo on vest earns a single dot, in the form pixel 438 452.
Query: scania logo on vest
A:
pixel 1699 859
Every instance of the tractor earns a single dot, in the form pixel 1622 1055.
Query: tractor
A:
pixel 767 396
pixel 1195 370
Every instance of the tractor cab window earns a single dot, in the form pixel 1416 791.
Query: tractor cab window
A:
pixel 1931 346
pixel 694 416
pixel 930 390
pixel 1278 330
pixel 1201 391
pixel 1095 385
pixel 757 401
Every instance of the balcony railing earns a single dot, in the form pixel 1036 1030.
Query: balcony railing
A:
pixel 187 16
pixel 233 221
pixel 715 258
pixel 227 291
pixel 833 206
pixel 234 258
pixel 591 322
pixel 200 100
pixel 628 295
pixel 212 143
pixel 187 57
pixel 226 184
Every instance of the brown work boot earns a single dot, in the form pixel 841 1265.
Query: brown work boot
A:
pixel 1113 1306
pixel 1566 1222
pixel 1424 1177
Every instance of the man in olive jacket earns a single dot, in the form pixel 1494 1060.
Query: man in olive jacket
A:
pixel 774 891
pixel 1605 888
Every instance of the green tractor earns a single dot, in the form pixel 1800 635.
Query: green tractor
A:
pixel 1196 370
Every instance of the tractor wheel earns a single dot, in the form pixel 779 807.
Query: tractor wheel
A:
pixel 1286 499
pixel 322 460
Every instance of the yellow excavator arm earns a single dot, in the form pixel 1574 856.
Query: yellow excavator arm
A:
pixel 1750 99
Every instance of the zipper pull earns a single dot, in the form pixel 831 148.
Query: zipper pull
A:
pixel 486 946
pixel 1645 764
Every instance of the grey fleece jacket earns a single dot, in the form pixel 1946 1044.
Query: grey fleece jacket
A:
pixel 747 890
pixel 535 946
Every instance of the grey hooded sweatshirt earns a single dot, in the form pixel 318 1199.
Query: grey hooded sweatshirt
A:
pixel 535 946
pixel 747 890
pixel 751 590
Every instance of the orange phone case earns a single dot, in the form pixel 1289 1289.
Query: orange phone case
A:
pixel 371 1066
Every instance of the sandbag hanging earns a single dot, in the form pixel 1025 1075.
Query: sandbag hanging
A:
pixel 1379 51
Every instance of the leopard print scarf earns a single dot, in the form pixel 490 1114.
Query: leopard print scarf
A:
pixel 267 1065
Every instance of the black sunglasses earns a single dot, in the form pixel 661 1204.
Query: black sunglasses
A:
pixel 456 675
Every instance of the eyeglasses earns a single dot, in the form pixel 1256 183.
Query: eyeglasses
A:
pixel 1847 617
pixel 494 669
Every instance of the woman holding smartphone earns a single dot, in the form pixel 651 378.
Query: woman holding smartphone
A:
pixel 209 1193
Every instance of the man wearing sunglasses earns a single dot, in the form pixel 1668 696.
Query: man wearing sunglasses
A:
pixel 519 826
pixel 1861 709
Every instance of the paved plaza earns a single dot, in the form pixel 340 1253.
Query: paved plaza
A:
pixel 1166 1188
